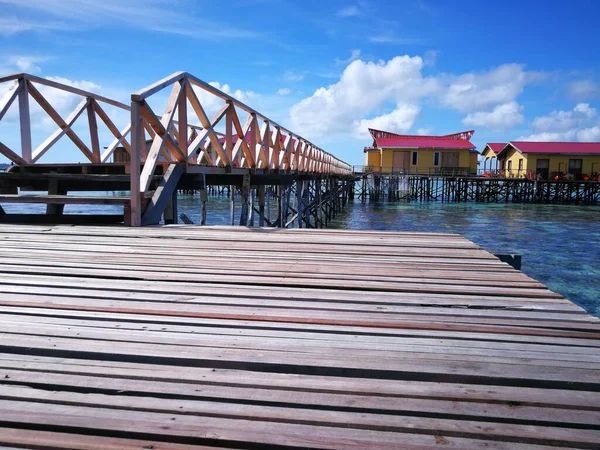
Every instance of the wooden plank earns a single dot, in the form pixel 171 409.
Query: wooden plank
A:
pixel 336 340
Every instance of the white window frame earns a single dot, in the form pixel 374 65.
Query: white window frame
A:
pixel 439 159
pixel 412 158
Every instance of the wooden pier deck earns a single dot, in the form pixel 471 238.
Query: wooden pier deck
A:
pixel 198 337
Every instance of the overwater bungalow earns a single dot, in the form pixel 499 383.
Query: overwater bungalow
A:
pixel 449 154
pixel 490 156
pixel 550 160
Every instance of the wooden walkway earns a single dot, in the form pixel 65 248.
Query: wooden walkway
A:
pixel 186 337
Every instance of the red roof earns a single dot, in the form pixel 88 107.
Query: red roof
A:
pixel 385 139
pixel 496 146
pixel 571 148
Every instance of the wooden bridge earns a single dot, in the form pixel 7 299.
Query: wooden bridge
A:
pixel 185 337
pixel 170 146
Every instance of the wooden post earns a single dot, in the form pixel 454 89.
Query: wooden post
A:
pixel 54 189
pixel 137 141
pixel 261 205
pixel 25 120
pixel 203 199
pixel 245 192
pixel 251 208
pixel 232 205
pixel 319 211
pixel 280 206
pixel 299 200
pixel 170 213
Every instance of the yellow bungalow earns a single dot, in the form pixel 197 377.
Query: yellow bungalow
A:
pixel 490 156
pixel 551 160
pixel 449 154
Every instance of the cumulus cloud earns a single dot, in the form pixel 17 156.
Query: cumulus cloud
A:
pixel 501 118
pixel 400 120
pixel 283 91
pixel 578 124
pixel 478 91
pixel 364 87
pixel 486 98
pixel 583 89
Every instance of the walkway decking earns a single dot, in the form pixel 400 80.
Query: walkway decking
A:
pixel 175 337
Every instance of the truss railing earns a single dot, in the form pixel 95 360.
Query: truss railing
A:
pixel 234 137
pixel 26 87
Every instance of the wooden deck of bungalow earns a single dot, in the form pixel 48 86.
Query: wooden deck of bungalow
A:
pixel 212 337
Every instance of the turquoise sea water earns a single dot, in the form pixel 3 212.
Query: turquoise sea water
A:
pixel 560 244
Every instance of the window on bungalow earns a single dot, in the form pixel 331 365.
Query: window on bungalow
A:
pixel 415 158
pixel 521 164
pixel 436 159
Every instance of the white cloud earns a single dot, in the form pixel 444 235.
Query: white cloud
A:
pixel 579 124
pixel 561 121
pixel 424 131
pixel 353 56
pixel 27 63
pixel 11 25
pixel 583 89
pixel 400 120
pixel 487 98
pixel 474 92
pixel 293 76
pixel 364 87
pixel 391 38
pixel 349 11
pixel 284 91
pixel 154 15
pixel 430 57
pixel 501 118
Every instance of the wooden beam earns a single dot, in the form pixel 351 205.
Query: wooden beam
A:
pixel 93 124
pixel 112 127
pixel 54 137
pixel 162 195
pixel 25 120
pixel 229 132
pixel 76 91
pixel 242 143
pixel 9 98
pixel 115 143
pixel 209 124
pixel 182 122
pixel 137 141
pixel 143 94
pixel 12 155
pixel 59 121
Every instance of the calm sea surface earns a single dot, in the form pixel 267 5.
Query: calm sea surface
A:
pixel 560 244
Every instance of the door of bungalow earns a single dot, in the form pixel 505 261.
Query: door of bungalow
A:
pixel 542 167
pixel 401 162
pixel 450 159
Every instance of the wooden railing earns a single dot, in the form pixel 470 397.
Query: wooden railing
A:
pixel 25 87
pixel 235 137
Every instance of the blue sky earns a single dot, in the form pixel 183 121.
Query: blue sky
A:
pixel 330 69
